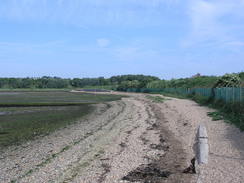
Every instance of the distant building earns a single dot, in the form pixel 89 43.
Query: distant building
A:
pixel 196 75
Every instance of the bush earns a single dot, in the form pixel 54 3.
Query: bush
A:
pixel 228 80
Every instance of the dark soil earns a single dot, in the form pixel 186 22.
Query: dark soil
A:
pixel 170 167
pixel 147 174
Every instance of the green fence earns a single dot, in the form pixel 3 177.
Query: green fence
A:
pixel 224 94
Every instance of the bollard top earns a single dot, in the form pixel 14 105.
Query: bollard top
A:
pixel 202 131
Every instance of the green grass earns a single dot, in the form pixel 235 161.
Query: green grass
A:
pixel 19 127
pixel 215 115
pixel 156 99
pixel 40 113
pixel 231 112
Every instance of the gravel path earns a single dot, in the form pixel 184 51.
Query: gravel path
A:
pixel 226 158
pixel 132 140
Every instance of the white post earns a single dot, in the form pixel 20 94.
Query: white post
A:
pixel 203 148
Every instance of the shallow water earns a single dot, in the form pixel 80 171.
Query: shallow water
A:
pixel 4 113
pixel 9 93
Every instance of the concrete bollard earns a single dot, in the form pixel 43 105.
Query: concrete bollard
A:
pixel 203 148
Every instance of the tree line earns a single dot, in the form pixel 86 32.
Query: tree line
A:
pixel 123 82
pixel 57 82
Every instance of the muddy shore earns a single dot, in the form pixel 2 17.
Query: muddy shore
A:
pixel 131 140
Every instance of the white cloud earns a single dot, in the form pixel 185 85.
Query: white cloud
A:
pixel 214 22
pixel 103 42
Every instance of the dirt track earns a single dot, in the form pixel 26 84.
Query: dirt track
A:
pixel 132 140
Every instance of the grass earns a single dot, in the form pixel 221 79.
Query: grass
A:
pixel 156 99
pixel 17 128
pixel 215 115
pixel 231 112
pixel 40 113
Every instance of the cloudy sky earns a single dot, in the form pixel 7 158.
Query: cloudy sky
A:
pixel 90 38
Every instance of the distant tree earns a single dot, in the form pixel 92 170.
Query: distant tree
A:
pixel 124 85
pixel 27 83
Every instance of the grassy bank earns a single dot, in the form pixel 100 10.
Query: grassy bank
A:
pixel 17 127
pixel 230 112
pixel 27 115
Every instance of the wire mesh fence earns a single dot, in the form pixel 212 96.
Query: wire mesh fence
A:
pixel 225 94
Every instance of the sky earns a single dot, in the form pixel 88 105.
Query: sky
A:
pixel 92 38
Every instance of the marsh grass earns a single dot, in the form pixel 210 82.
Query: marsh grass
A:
pixel 55 98
pixel 27 115
pixel 17 128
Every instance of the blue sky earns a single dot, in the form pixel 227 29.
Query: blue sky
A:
pixel 91 38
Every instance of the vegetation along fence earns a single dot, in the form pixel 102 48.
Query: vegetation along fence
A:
pixel 225 94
